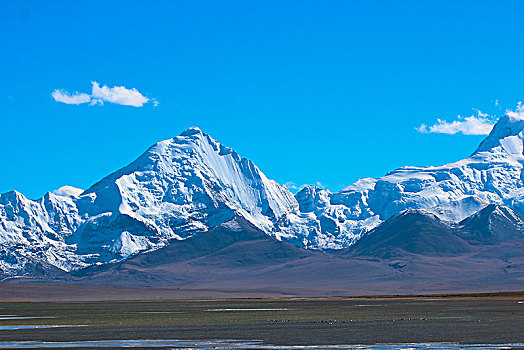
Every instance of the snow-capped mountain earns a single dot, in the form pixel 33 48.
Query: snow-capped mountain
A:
pixel 32 233
pixel 191 183
pixel 492 174
pixel 177 188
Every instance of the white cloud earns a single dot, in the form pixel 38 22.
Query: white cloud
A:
pixel 480 124
pixel 293 186
pixel 321 185
pixel 68 191
pixel 518 113
pixel 70 99
pixel 116 94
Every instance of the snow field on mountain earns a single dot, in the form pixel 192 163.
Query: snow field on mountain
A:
pixel 191 183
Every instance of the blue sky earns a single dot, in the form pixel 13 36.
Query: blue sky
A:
pixel 311 91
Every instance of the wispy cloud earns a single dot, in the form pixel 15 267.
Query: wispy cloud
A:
pixel 70 99
pixel 518 113
pixel 294 187
pixel 480 124
pixel 99 94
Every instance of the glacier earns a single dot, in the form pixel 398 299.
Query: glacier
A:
pixel 492 174
pixel 191 183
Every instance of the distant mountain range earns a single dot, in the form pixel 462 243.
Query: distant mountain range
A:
pixel 190 208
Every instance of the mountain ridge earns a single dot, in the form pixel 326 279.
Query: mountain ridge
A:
pixel 188 184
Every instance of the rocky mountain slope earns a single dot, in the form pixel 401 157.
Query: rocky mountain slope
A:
pixel 412 252
pixel 420 232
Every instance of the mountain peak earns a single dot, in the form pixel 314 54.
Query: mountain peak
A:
pixel 411 231
pixel 498 210
pixel 507 134
pixel 494 223
pixel 194 130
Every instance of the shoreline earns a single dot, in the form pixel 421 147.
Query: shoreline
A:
pixel 57 293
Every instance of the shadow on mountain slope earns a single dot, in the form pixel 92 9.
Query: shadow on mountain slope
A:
pixel 413 252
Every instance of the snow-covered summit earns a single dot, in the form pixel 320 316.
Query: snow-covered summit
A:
pixel 506 136
pixel 177 188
